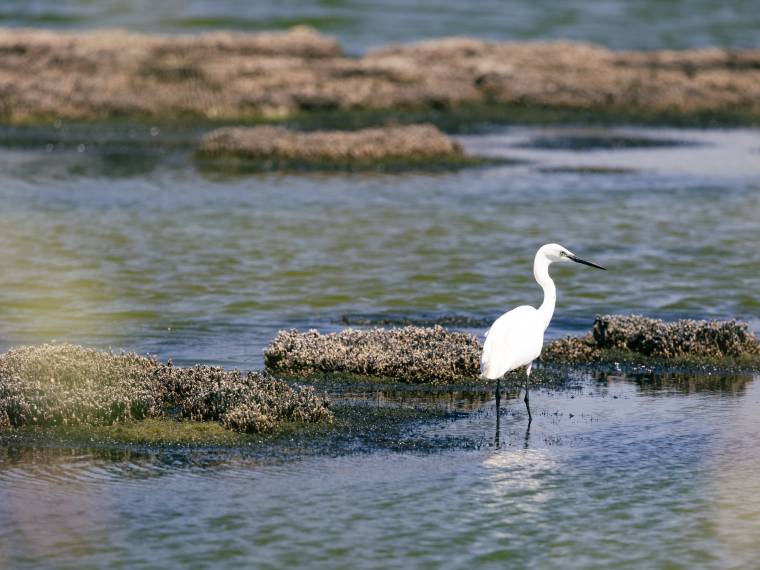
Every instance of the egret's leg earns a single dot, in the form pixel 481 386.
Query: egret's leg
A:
pixel 497 437
pixel 527 392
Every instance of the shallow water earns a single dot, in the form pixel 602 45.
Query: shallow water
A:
pixel 647 472
pixel 116 239
pixel 361 24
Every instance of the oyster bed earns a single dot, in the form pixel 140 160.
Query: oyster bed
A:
pixel 437 355
pixel 69 385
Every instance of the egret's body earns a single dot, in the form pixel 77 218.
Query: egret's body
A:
pixel 516 338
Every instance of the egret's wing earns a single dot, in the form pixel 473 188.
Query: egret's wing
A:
pixel 515 339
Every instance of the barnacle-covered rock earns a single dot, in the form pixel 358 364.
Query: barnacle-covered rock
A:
pixel 64 384
pixel 635 334
pixel 437 355
pixel 251 402
pixel 410 354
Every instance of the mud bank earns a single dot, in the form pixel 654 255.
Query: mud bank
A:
pixel 394 147
pixel 436 355
pixel 112 74
pixel 68 385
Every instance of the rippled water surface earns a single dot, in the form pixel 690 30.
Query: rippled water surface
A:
pixel 615 472
pixel 129 245
pixel 118 239
pixel 361 24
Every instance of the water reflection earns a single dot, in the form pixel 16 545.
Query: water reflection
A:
pixel 734 485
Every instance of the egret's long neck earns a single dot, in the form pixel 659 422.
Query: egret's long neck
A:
pixel 541 273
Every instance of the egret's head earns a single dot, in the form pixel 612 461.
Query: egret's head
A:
pixel 556 253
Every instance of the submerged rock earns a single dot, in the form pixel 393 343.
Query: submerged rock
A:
pixel 68 385
pixel 278 146
pixel 104 74
pixel 410 354
pixel 634 334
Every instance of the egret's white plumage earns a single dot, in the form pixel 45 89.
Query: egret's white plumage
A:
pixel 516 338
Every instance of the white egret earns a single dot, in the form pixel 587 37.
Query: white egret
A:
pixel 516 338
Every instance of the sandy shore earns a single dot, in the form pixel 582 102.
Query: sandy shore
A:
pixel 110 74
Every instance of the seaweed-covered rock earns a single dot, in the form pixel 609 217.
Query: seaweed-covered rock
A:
pixel 410 354
pixel 65 384
pixel 279 146
pixel 704 340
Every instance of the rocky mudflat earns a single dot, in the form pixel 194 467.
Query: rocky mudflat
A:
pixel 112 74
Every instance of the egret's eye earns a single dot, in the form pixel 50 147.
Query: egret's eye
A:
pixel 562 253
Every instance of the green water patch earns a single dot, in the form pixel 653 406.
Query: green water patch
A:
pixel 41 18
pixel 464 118
pixel 152 431
pixel 326 22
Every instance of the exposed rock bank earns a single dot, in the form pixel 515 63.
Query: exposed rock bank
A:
pixel 107 74
pixel 68 385
pixel 621 335
pixel 409 354
pixel 278 147
pixel 436 355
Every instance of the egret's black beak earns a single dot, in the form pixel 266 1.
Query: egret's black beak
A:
pixel 577 259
